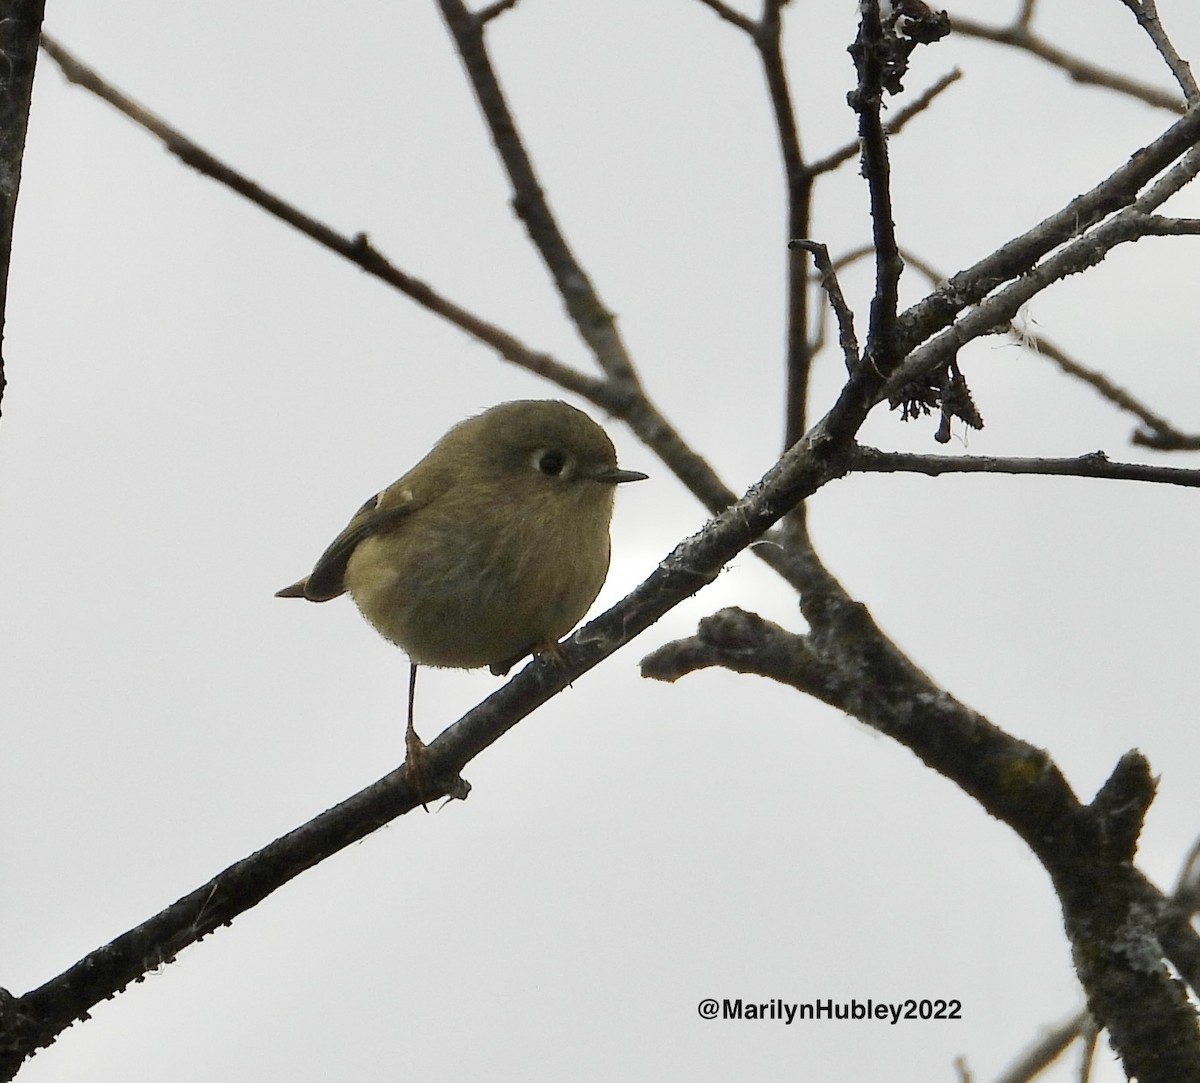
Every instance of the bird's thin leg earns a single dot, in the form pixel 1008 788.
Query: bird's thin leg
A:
pixel 414 747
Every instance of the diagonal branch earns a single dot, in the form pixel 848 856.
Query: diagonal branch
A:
pixel 894 125
pixel 357 248
pixel 1019 36
pixel 847 339
pixel 1146 13
pixel 594 322
pixel 1157 433
pixel 731 16
pixel 30 1022
pixel 1019 256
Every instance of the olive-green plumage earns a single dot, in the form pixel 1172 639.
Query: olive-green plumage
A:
pixel 491 548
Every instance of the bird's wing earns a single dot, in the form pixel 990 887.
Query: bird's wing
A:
pixel 381 513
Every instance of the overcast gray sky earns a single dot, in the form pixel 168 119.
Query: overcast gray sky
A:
pixel 199 398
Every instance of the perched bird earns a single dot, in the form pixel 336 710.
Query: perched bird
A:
pixel 491 548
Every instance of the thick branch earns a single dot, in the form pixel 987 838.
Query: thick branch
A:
pixel 867 101
pixel 999 310
pixel 1112 914
pixel 1018 256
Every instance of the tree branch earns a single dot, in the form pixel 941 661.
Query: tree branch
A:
pixel 894 125
pixel 592 319
pixel 356 248
pixel 19 29
pixel 867 101
pixel 731 16
pixel 837 300
pixel 1146 13
pixel 1110 911
pixel 798 181
pixel 1018 256
pixel 1019 36
pixel 32 1021
pixel 1094 465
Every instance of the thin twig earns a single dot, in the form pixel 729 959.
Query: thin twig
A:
pixel 1051 1045
pixel 487 14
pixel 829 283
pixel 356 248
pixel 1019 36
pixel 1087 1052
pixel 768 39
pixel 1146 13
pixel 894 124
pixel 1093 465
pixel 1158 432
pixel 594 322
pixel 730 16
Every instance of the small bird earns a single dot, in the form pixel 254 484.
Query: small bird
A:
pixel 490 549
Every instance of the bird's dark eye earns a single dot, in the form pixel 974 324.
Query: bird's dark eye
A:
pixel 550 463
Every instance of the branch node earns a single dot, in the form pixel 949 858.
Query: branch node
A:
pixel 1120 805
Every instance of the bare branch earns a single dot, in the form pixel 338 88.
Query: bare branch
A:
pixel 592 319
pixel 895 124
pixel 1094 465
pixel 19 31
pixel 730 16
pixel 1158 225
pixel 357 248
pixel 1158 433
pixel 44 1012
pixel 1019 36
pixel 1046 1049
pixel 867 101
pixel 1146 13
pixel 1018 259
pixel 848 662
pixel 768 39
pixel 487 14
pixel 829 283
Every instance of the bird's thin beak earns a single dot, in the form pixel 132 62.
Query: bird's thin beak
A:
pixel 612 475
